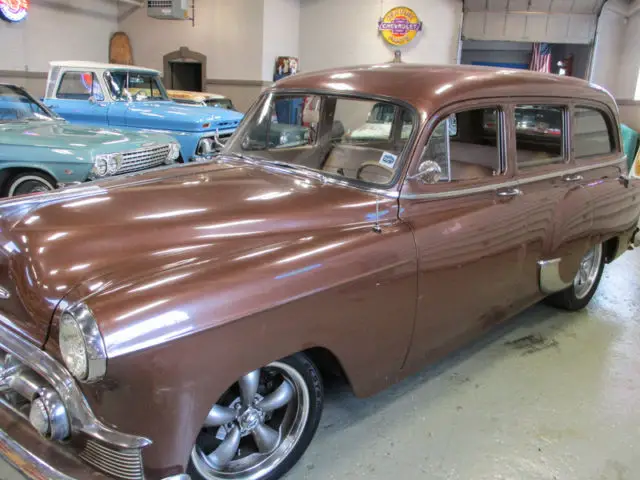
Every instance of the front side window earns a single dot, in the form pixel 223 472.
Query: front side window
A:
pixel 328 134
pixel 464 148
pixel 16 105
pixel 79 86
pixel 592 134
pixel 540 135
pixel 135 86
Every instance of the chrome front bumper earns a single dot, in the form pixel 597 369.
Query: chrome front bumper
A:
pixel 26 373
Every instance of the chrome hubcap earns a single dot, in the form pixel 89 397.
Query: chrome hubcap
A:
pixel 587 272
pixel 251 435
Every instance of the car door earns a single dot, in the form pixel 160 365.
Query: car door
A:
pixel 557 206
pixel 598 154
pixel 467 227
pixel 80 98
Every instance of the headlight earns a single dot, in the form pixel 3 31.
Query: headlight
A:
pixel 205 147
pixel 174 152
pixel 107 164
pixel 81 344
pixel 284 138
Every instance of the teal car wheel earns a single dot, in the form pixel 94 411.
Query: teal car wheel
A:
pixel 29 182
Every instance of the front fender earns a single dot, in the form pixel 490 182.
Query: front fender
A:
pixel 63 166
pixel 177 340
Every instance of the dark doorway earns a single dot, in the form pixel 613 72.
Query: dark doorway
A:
pixel 186 76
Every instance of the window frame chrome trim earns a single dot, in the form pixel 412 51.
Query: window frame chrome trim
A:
pixel 509 184
pixel 81 417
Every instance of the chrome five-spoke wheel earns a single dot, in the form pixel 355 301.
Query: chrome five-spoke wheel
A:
pixel 261 425
pixel 584 284
pixel 588 272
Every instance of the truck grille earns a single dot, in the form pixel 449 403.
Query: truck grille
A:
pixel 143 158
pixel 122 464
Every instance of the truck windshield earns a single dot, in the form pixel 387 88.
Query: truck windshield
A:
pixel 135 86
pixel 16 105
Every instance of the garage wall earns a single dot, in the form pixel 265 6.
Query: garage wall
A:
pixel 344 32
pixel 630 59
pixel 608 47
pixel 55 30
pixel 281 33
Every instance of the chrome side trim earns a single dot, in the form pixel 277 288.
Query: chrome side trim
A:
pixel 550 281
pixel 180 476
pixel 509 184
pixel 18 457
pixel 81 416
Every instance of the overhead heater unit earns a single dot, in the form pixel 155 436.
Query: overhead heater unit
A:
pixel 168 9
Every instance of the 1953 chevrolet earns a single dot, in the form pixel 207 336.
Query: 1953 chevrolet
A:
pixel 177 324
pixel 131 97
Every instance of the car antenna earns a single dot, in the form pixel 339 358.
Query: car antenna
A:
pixel 376 226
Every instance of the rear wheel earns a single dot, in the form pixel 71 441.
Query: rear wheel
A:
pixel 262 425
pixel 585 283
pixel 28 182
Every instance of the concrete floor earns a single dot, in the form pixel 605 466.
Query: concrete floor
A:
pixel 551 396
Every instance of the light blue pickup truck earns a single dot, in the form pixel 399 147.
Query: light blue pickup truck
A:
pixel 130 97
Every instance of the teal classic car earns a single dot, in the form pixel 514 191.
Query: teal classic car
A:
pixel 40 151
pixel 130 97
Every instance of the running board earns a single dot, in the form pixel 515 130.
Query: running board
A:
pixel 550 280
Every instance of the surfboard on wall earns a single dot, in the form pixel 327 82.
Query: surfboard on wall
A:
pixel 120 50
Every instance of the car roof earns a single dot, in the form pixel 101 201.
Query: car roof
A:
pixel 429 87
pixel 100 66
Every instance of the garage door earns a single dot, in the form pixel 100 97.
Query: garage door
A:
pixel 552 21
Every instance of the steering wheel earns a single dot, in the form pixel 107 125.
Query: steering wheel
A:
pixel 369 170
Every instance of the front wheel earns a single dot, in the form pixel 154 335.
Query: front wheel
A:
pixel 262 425
pixel 28 182
pixel 585 283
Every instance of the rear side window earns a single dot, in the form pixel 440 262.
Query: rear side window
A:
pixel 79 86
pixel 540 135
pixel 592 133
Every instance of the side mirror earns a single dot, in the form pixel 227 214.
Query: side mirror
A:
pixel 92 100
pixel 429 172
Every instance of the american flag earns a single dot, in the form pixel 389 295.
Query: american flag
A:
pixel 541 58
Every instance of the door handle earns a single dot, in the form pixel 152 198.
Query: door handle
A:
pixel 509 192
pixel 572 178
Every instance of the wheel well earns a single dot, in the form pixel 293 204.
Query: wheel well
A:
pixel 329 366
pixel 9 173
pixel 610 248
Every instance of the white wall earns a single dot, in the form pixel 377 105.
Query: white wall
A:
pixel 228 32
pixel 58 30
pixel 608 47
pixel 281 33
pixel 344 32
pixel 630 59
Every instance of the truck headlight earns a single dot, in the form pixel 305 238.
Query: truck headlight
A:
pixel 106 164
pixel 174 152
pixel 205 147
pixel 81 344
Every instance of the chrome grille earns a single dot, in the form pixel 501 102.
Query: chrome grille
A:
pixel 122 464
pixel 143 158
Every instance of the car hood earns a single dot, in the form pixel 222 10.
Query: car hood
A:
pixel 60 134
pixel 116 231
pixel 176 116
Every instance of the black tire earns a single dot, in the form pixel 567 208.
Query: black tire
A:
pixel 568 299
pixel 28 182
pixel 313 382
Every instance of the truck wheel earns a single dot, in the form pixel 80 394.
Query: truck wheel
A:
pixel 28 182
pixel 262 425
pixel 585 283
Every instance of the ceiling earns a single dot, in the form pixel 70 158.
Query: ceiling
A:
pixel 534 6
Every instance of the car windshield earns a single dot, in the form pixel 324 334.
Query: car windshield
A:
pixel 220 103
pixel 16 105
pixel 314 132
pixel 135 86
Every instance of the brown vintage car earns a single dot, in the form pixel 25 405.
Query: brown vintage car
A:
pixel 176 324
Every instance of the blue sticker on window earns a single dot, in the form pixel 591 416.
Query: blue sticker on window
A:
pixel 388 159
